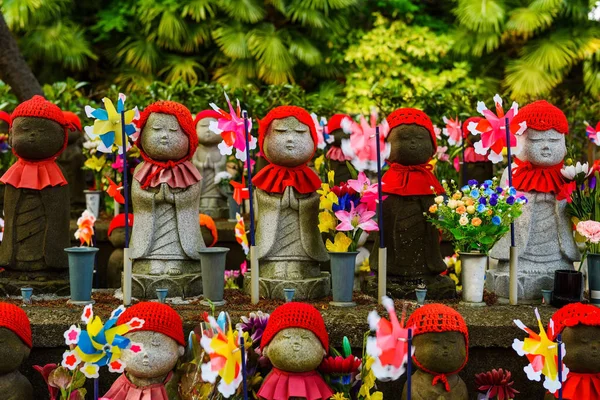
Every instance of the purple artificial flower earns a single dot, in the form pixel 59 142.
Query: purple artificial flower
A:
pixel 482 200
pixel 493 200
pixel 510 200
pixel 472 182
pixel 499 190
pixel 255 325
pixel 592 182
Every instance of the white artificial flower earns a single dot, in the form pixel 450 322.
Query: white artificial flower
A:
pixel 571 171
pixel 222 176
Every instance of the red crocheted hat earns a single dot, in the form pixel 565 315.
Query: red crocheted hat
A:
pixel 157 317
pixel 465 126
pixel 283 112
pixel 73 119
pixel 184 117
pixel 15 319
pixel 296 315
pixel 405 116
pixel 574 314
pixel 206 114
pixel 4 116
pixel 335 122
pixel 119 222
pixel 542 116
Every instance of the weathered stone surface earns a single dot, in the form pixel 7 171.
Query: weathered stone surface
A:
pixel 342 172
pixel 48 282
pixel 13 352
pixel 295 350
pixel 115 261
pixel 308 288
pixel 185 285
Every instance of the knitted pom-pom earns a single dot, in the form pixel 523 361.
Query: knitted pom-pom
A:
pixel 15 319
pixel 119 222
pixel 157 317
pixel 572 315
pixel 407 116
pixel 542 116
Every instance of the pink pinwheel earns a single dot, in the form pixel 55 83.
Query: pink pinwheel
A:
pixel 231 128
pixel 357 218
pixel 321 143
pixel 366 190
pixel 453 131
pixel 362 146
pixel 592 133
pixel 493 129
pixel 389 347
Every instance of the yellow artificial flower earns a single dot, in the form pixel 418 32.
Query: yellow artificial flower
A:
pixel 134 152
pixel 330 178
pixel 328 198
pixel 327 222
pixel 457 267
pixel 338 396
pixel 365 266
pixel 433 208
pixel 95 163
pixel 319 162
pixel 340 244
pixel 369 381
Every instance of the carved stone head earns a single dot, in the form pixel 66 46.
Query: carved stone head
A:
pixel 582 344
pixel 205 136
pixel 163 139
pixel 288 142
pixel 295 350
pixel 36 138
pixel 159 356
pixel 411 144
pixel 542 148
pixel 441 352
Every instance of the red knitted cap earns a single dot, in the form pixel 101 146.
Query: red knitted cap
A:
pixel 406 116
pixel 4 116
pixel 542 116
pixel 296 315
pixel 206 114
pixel 119 222
pixel 15 319
pixel 335 122
pixel 465 126
pixel 572 315
pixel 282 112
pixel 73 119
pixel 39 107
pixel 157 317
pixel 184 117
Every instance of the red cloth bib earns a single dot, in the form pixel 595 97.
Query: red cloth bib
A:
pixel 176 175
pixel 528 177
pixel 280 385
pixel 337 154
pixel 275 178
pixel 581 386
pixel 411 180
pixel 123 389
pixel 34 174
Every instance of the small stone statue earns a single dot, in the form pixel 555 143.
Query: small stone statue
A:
pixel 543 233
pixel 16 344
pixel 335 155
pixel 580 328
pixel 295 341
pixel 116 236
pixel 71 161
pixel 413 244
pixel 36 200
pixel 287 207
pixel 475 165
pixel 166 194
pixel 147 372
pixel 441 341
pixel 209 161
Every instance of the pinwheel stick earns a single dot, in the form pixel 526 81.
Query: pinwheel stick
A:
pixel 409 366
pixel 253 255
pixel 382 261
pixel 559 345
pixel 244 377
pixel 96 390
pixel 514 255
pixel 127 259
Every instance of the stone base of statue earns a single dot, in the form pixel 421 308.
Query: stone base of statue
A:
pixel 184 285
pixel 306 289
pixel 43 282
pixel 438 287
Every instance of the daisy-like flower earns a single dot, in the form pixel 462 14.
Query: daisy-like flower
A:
pixel 70 360
pixel 72 335
pixel 579 170
pixel 357 218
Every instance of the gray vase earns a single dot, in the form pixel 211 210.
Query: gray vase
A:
pixel 212 260
pixel 81 273
pixel 342 277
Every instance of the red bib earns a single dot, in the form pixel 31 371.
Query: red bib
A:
pixel 34 174
pixel 275 178
pixel 528 177
pixel 176 175
pixel 280 385
pixel 411 180
pixel 581 386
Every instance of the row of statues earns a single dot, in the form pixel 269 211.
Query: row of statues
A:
pixel 168 190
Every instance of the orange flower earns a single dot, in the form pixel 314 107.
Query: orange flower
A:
pixel 469 201
pixel 433 208
pixel 457 195
pixel 489 212
pixel 461 210
pixel 476 221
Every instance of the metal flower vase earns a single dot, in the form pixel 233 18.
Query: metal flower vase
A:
pixel 212 260
pixel 81 273
pixel 473 267
pixel 342 277
pixel 92 201
pixel 593 262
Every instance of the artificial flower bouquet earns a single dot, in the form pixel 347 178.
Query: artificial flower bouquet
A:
pixel 347 210
pixel 476 216
pixel 85 228
pixel 340 371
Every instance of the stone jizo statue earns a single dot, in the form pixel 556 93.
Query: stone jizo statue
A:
pixel 15 346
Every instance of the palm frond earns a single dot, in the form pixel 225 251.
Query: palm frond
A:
pixel 279 5
pixel 140 53
pixel 553 52
pixel 525 21
pixel 591 75
pixel 476 44
pixel 327 5
pixel 198 34
pixel 172 30
pixel 251 11
pixel 551 6
pixel 22 14
pixel 481 15
pixel 268 47
pixel 133 80
pixel 232 40
pixel 306 16
pixel 199 10
pixel 305 51
pixel 182 68
pixel 525 80
pixel 237 73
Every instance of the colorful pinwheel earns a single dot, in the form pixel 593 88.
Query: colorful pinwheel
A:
pixel 85 228
pixel 542 354
pixel 231 128
pixel 100 345
pixel 322 136
pixel 240 233
pixel 492 129
pixel 115 191
pixel 453 131
pixel 389 347
pixel 225 357
pixel 592 133
pixel 108 125
pixel 362 145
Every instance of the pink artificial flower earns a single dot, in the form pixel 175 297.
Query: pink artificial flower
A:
pixel 590 230
pixel 361 184
pixel 244 268
pixel 456 163
pixel 231 128
pixel 357 218
pixel 362 145
pixel 453 131
pixel 441 154
pixel 118 164
pixel 368 191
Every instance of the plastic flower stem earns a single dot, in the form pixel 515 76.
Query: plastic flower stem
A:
pixel 509 157
pixel 559 346
pixel 244 376
pixel 96 389
pixel 125 185
pixel 409 366
pixel 462 162
pixel 246 135
pixel 379 194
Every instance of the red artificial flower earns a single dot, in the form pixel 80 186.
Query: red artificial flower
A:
pixel 566 190
pixel 340 365
pixel 46 370
pixel 496 383
pixel 342 189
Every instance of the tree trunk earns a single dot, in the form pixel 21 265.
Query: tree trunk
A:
pixel 14 70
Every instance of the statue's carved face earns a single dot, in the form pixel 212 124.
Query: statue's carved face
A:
pixel 158 358
pixel 542 148
pixel 12 351
pixel 410 145
pixel 74 135
pixel 36 138
pixel 295 350
pixel 442 352
pixel 338 135
pixel 163 139
pixel 117 237
pixel 582 344
pixel 288 142
pixel 205 136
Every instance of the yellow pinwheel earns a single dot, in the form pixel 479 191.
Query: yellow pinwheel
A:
pixel 110 122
